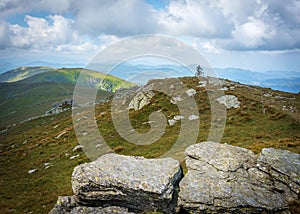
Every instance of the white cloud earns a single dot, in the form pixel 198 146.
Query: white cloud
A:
pixel 253 33
pixel 194 18
pixel 12 7
pixel 114 17
pixel 210 48
pixel 262 24
pixel 4 37
pixel 218 24
pixel 54 33
pixel 108 39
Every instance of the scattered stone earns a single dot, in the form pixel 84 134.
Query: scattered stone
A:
pixel 74 156
pixel 178 117
pixel 176 99
pixel 191 92
pixel 202 84
pixel 268 95
pixel 56 126
pixel 224 178
pixel 62 133
pixel 148 122
pixel 84 133
pixel 223 89
pixel 136 183
pixel 32 171
pixel 47 165
pixel 81 118
pixel 175 119
pixel 3 131
pixel 171 122
pixel 78 147
pixel 193 117
pixel 230 101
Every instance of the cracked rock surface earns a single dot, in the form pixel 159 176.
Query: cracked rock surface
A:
pixel 136 184
pixel 232 179
pixel 220 179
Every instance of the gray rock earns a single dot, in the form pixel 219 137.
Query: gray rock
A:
pixel 283 165
pixel 69 205
pixel 227 178
pixel 134 182
pixel 202 84
pixel 64 205
pixel 100 210
pixel 191 92
pixel 172 122
pixel 230 101
pixel 178 117
pixel 141 99
pixel 176 99
pixel 193 117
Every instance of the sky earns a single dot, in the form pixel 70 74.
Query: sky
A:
pixel 259 35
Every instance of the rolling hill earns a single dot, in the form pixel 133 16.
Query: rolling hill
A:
pixel 37 157
pixel 23 73
pixel 30 91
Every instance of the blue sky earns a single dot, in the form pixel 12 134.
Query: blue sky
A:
pixel 259 35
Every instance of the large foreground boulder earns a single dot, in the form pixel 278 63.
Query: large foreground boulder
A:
pixel 69 205
pixel 224 178
pixel 136 184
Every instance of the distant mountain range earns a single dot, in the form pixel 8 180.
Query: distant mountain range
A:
pixel 288 81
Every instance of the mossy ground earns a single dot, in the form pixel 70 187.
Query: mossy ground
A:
pixel 32 144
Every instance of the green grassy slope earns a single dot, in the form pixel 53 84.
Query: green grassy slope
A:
pixel 34 95
pixel 34 144
pixel 89 77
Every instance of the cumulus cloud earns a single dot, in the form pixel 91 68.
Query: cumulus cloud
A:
pixel 263 25
pixel 216 24
pixel 194 18
pixel 4 37
pixel 12 7
pixel 54 33
pixel 253 33
pixel 115 17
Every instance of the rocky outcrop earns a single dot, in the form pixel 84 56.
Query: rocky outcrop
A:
pixel 220 179
pixel 141 99
pixel 60 107
pixel 224 178
pixel 133 183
